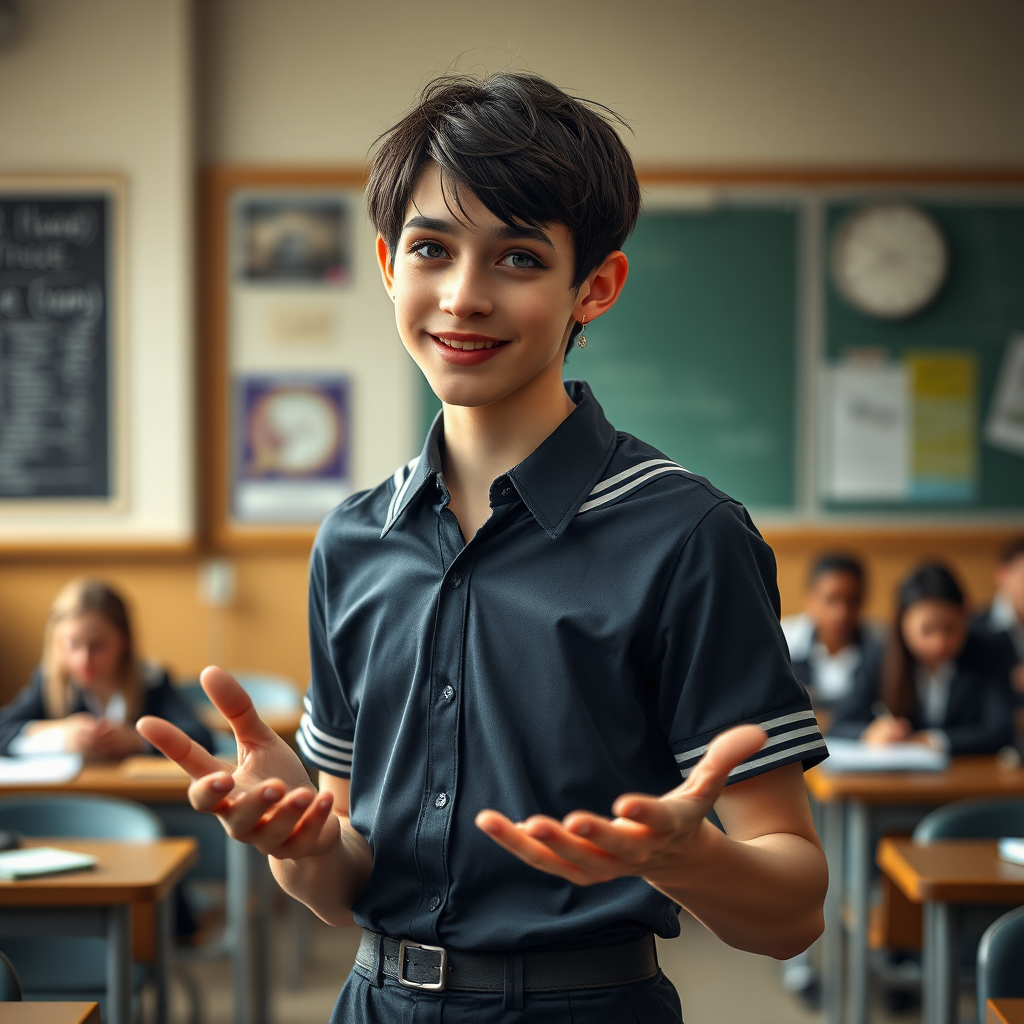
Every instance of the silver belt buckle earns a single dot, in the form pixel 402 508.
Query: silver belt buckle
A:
pixel 423 986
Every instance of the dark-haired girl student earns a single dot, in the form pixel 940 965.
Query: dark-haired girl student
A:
pixel 943 683
pixel 90 688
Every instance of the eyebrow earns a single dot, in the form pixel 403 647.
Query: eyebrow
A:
pixel 505 232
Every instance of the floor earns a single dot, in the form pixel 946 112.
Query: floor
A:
pixel 718 984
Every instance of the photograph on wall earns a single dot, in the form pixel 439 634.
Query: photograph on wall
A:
pixel 292 447
pixel 290 239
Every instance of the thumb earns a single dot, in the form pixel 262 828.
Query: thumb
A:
pixel 725 752
pixel 231 700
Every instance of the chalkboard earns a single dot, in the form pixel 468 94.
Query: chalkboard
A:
pixel 55 351
pixel 698 357
pixel 980 306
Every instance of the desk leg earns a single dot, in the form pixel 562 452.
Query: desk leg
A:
pixel 859 900
pixel 164 915
pixel 238 923
pixel 834 821
pixel 261 940
pixel 941 988
pixel 119 964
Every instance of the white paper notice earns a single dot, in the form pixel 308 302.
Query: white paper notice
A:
pixel 866 424
pixel 1005 426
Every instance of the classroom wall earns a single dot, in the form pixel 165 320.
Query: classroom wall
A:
pixel 312 82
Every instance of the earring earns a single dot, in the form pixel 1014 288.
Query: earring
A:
pixel 581 338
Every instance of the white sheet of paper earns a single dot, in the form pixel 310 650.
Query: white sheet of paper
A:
pixel 40 770
pixel 849 755
pixel 1005 425
pixel 866 424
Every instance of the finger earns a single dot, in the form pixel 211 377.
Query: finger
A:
pixel 628 841
pixel 280 819
pixel 231 700
pixel 529 850
pixel 173 743
pixel 209 793
pixel 578 850
pixel 306 833
pixel 244 812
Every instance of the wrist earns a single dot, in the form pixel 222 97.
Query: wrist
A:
pixel 691 857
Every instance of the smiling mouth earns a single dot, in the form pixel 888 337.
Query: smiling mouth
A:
pixel 469 343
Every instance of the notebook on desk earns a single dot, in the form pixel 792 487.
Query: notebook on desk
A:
pixel 42 860
pixel 40 770
pixel 848 755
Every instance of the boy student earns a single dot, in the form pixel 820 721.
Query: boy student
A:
pixel 537 621
pixel 1006 613
pixel 830 646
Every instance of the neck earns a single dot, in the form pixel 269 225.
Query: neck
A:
pixel 482 442
pixel 102 689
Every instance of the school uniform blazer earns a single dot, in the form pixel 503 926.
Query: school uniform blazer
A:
pixel 979 713
pixel 160 698
pixel 865 675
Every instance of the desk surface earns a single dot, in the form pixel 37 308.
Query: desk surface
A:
pixel 125 873
pixel 50 1013
pixel 966 777
pixel 1004 1011
pixel 951 871
pixel 124 780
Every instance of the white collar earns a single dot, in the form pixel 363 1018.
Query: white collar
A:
pixel 1002 615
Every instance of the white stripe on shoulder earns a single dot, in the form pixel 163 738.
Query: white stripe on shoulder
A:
pixel 402 478
pixel 626 473
pixel 632 485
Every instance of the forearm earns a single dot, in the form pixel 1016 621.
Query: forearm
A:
pixel 763 895
pixel 329 882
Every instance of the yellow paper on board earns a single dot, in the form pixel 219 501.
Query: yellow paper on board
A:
pixel 944 452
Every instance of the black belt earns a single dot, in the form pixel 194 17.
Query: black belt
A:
pixel 434 969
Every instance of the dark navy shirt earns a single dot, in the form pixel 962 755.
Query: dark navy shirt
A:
pixel 611 617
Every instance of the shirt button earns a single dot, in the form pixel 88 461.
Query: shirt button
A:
pixel 434 903
pixel 456 580
pixel 441 801
pixel 448 692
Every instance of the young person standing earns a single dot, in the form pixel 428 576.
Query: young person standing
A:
pixel 542 651
pixel 1005 615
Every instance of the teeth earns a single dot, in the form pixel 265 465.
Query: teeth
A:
pixel 468 346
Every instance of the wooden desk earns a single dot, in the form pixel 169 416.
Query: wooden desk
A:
pixel 170 786
pixel 1004 1011
pixel 50 1013
pixel 854 805
pixel 944 876
pixel 99 901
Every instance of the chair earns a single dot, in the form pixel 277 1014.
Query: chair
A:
pixel 10 986
pixel 1001 960
pixel 972 819
pixel 73 967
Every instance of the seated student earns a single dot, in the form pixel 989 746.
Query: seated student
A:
pixel 942 683
pixel 831 648
pixel 1005 615
pixel 90 689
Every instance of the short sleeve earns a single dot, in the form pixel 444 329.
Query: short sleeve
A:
pixel 721 657
pixel 327 727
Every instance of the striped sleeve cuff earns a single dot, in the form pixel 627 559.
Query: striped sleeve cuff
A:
pixel 322 750
pixel 791 737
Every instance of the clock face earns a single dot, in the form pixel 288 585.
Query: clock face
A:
pixel 889 260
pixel 293 431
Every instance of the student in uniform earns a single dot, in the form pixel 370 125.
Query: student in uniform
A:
pixel 90 688
pixel 943 683
pixel 1005 615
pixel 530 646
pixel 831 647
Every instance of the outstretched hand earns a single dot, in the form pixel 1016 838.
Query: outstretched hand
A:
pixel 650 836
pixel 268 800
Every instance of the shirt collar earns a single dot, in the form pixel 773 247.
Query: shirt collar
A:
pixel 553 481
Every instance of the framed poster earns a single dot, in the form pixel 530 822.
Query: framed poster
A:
pixel 63 429
pixel 285 300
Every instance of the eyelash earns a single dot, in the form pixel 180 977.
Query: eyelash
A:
pixel 414 250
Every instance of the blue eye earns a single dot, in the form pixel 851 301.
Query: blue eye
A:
pixel 521 261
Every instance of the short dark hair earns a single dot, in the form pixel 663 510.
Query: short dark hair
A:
pixel 528 151
pixel 1012 550
pixel 835 561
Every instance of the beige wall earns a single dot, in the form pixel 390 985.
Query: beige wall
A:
pixel 312 82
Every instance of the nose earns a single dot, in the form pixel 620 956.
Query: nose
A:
pixel 464 294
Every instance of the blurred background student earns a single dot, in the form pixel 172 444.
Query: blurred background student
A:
pixel 1005 615
pixel 942 683
pixel 831 647
pixel 90 687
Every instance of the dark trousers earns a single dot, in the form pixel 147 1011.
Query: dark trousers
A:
pixel 646 1002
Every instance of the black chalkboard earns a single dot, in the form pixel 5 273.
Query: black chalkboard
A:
pixel 55 358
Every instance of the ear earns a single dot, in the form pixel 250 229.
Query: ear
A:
pixel 387 268
pixel 602 287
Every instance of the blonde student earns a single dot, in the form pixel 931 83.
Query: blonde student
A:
pixel 90 687
pixel 542 651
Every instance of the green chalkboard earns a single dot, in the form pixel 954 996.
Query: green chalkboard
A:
pixel 980 306
pixel 699 355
